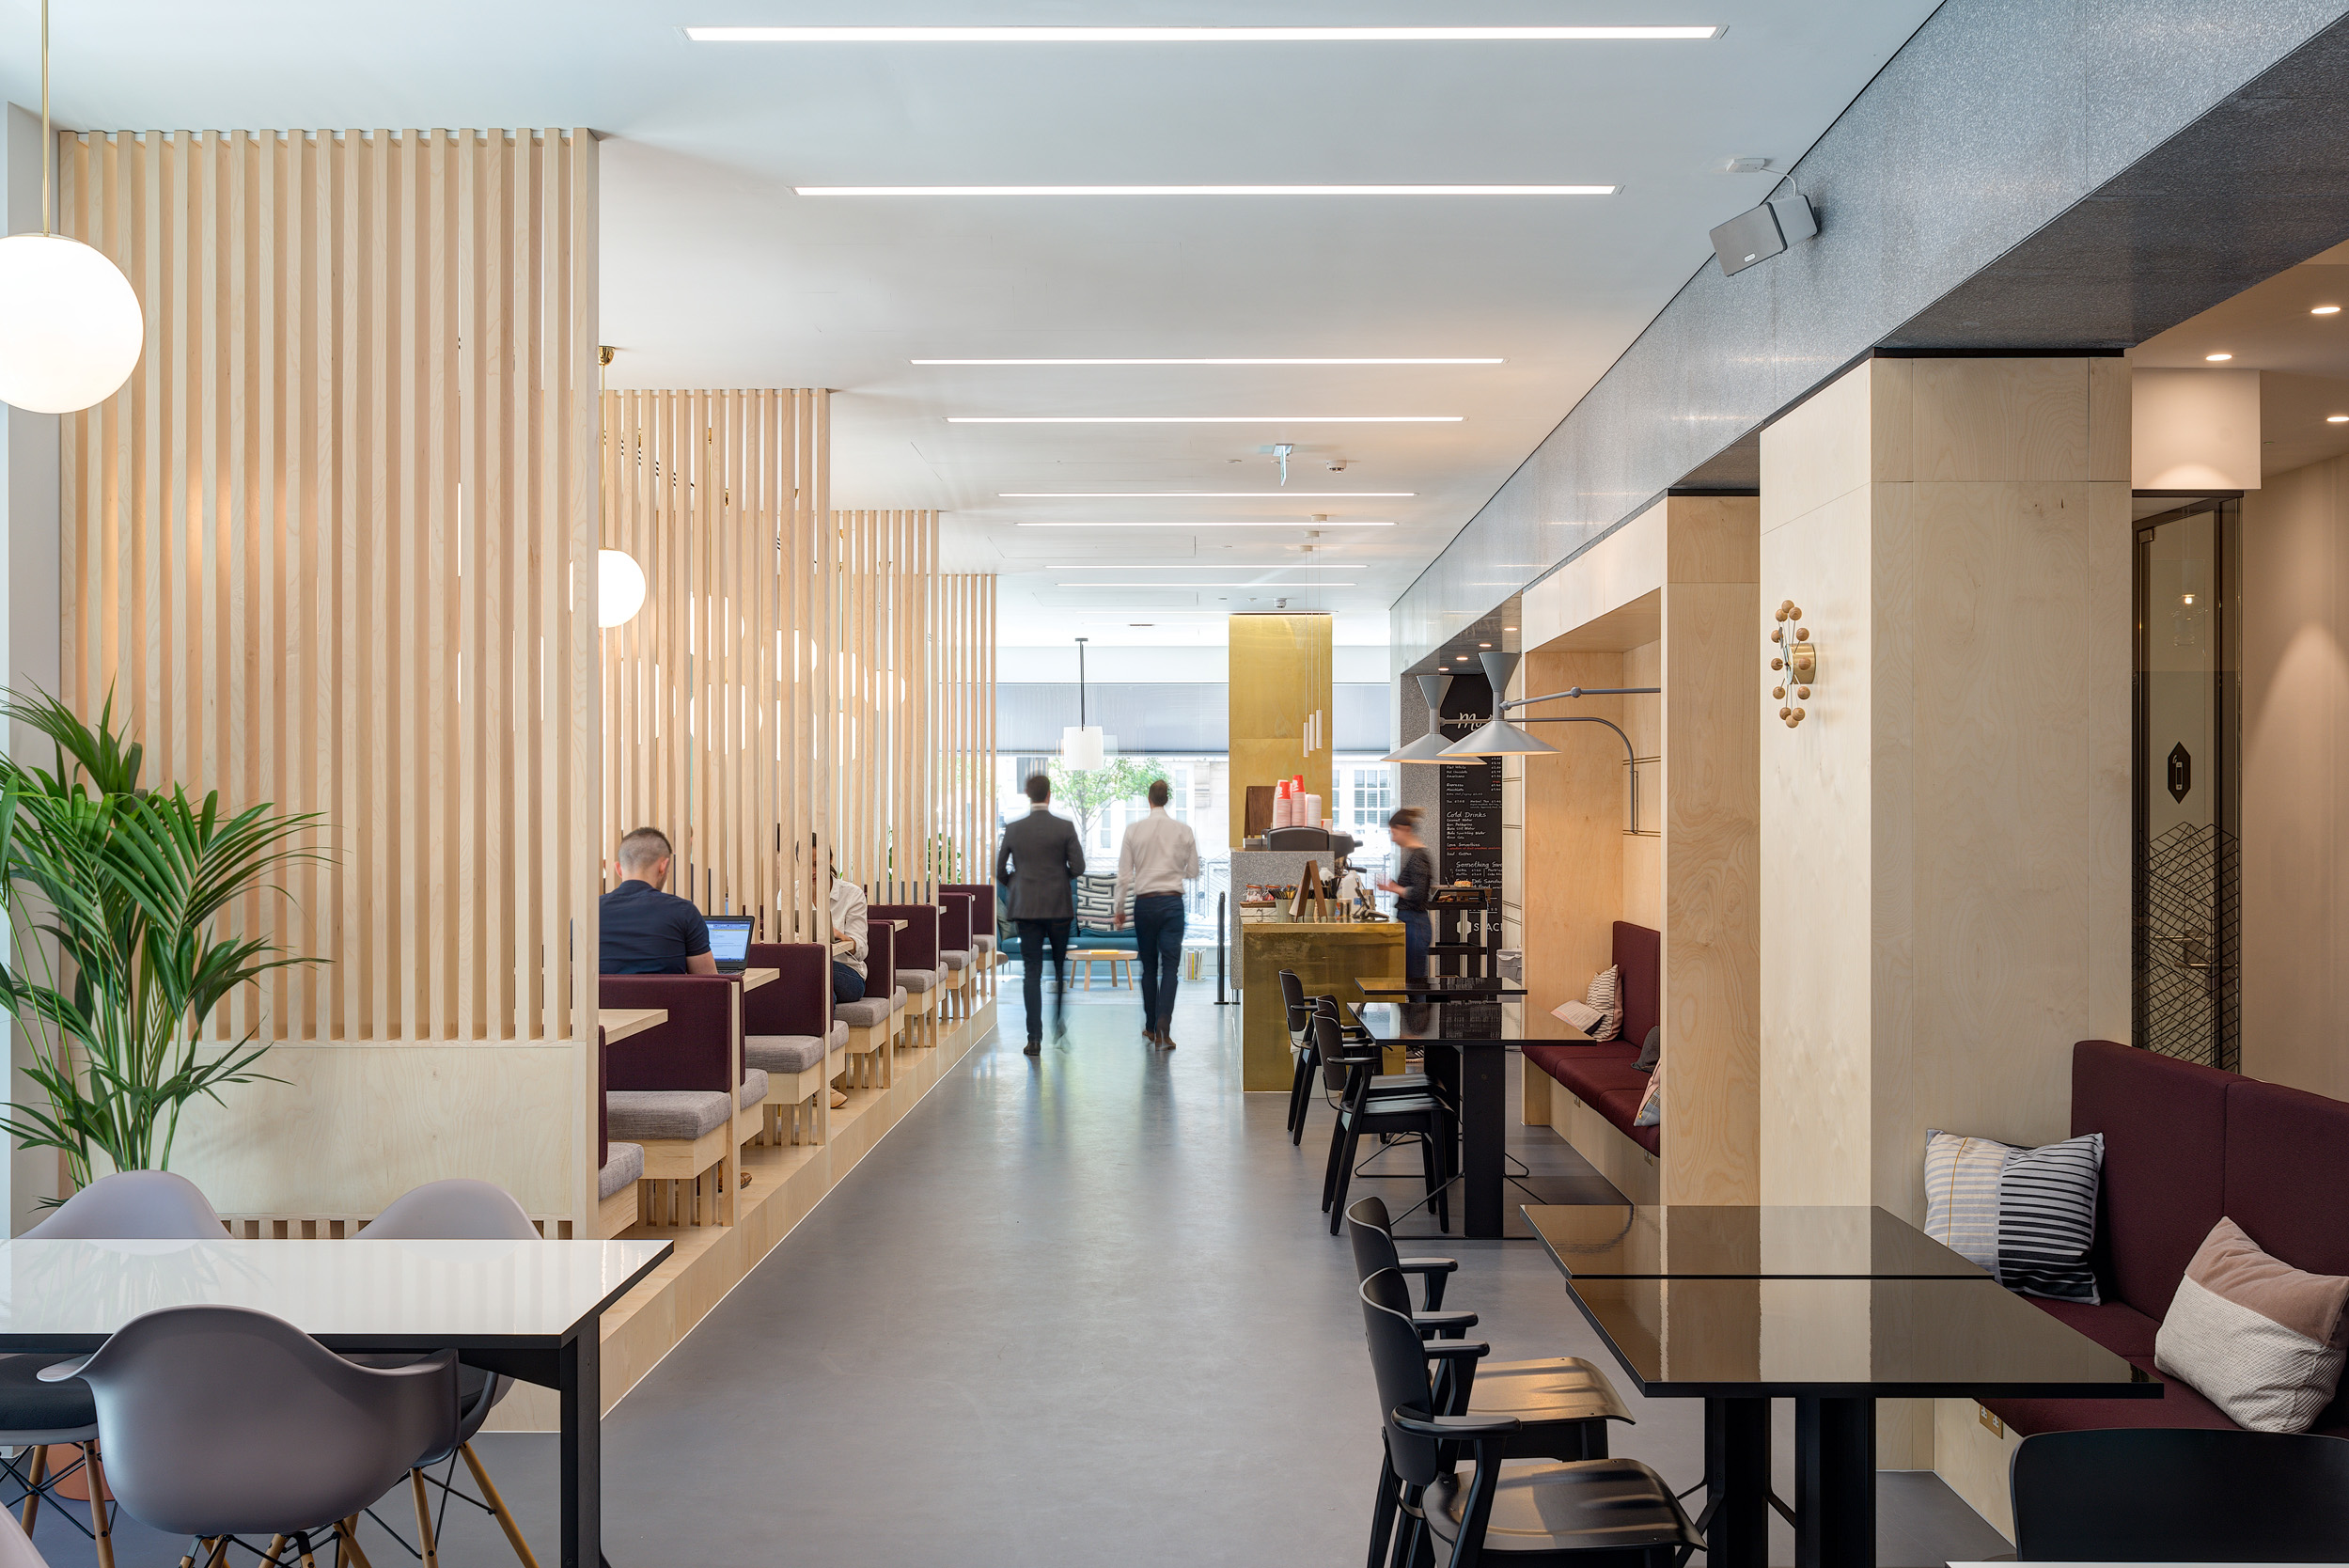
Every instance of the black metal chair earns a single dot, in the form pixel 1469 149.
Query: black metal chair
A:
pixel 1540 1515
pixel 2181 1494
pixel 1360 1112
pixel 1308 1057
pixel 1563 1401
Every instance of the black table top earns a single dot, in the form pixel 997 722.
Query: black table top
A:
pixel 1847 1338
pixel 1607 1241
pixel 1437 987
pixel 1451 1023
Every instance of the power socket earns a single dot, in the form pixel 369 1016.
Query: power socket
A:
pixel 1995 1427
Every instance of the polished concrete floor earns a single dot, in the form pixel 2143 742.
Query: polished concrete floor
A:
pixel 1075 1309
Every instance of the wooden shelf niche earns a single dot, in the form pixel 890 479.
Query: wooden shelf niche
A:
pixel 1668 600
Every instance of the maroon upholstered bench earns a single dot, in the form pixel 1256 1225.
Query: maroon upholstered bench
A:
pixel 2184 1146
pixel 1601 1075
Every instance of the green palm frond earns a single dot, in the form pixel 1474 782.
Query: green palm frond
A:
pixel 116 895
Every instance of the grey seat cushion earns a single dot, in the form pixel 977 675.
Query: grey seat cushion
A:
pixel 625 1165
pixel 783 1053
pixel 869 1013
pixel 666 1114
pixel 754 1087
pixel 960 958
pixel 839 1035
pixel 984 942
pixel 897 1000
pixel 917 980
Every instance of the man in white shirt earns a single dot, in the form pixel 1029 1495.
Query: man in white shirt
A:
pixel 1158 856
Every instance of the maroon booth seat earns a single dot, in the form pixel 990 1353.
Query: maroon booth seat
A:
pixel 982 914
pixel 869 1025
pixel 2186 1145
pixel 1601 1075
pixel 666 1075
pixel 789 1034
pixel 914 960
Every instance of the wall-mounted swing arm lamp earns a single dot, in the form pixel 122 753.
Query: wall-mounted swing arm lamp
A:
pixel 1501 738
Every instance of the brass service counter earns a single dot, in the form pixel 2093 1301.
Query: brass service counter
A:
pixel 1327 956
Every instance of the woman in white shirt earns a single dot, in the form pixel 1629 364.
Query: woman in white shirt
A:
pixel 849 946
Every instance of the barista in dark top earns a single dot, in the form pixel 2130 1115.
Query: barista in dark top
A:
pixel 1415 882
pixel 645 930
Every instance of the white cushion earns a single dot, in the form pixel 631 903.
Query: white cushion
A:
pixel 2258 1339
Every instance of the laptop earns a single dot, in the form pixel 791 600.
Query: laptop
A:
pixel 729 942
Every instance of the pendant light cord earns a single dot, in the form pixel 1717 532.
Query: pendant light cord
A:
pixel 47 148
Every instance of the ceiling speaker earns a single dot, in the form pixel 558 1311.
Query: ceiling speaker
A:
pixel 1769 228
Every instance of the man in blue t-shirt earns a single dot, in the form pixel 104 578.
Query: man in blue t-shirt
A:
pixel 645 930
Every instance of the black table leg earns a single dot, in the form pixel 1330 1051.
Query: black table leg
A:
pixel 580 1380
pixel 1737 1462
pixel 1484 1132
pixel 1835 1482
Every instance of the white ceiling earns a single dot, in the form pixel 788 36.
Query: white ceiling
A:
pixel 715 274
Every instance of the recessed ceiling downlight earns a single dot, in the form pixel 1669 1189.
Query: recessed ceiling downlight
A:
pixel 2217 358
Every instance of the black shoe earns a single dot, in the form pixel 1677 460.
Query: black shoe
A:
pixel 1035 1048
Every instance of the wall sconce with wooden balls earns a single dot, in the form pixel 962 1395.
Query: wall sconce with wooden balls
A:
pixel 1795 661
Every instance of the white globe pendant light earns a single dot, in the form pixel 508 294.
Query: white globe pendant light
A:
pixel 619 588
pixel 70 327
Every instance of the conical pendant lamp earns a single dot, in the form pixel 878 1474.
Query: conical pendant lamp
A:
pixel 1499 738
pixel 1430 746
pixel 70 328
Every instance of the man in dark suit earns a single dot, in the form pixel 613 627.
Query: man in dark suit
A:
pixel 1040 859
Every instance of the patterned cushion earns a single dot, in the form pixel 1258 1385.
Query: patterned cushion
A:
pixel 1096 901
pixel 917 980
pixel 2026 1215
pixel 959 957
pixel 870 1014
pixel 625 1165
pixel 663 1115
pixel 1606 995
pixel 754 1087
pixel 2258 1339
pixel 783 1053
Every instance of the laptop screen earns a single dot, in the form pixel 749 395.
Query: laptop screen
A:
pixel 730 940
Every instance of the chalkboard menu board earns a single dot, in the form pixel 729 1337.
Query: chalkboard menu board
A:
pixel 1468 814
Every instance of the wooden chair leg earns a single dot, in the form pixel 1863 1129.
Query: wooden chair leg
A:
pixel 276 1549
pixel 102 1531
pixel 497 1506
pixel 40 1470
pixel 424 1522
pixel 346 1531
pixel 310 1562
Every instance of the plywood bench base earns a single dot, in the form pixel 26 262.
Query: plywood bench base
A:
pixel 865 1057
pixel 798 1104
pixel 619 1210
pixel 680 1175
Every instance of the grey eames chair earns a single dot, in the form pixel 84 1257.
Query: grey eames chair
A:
pixel 192 1451
pixel 131 1205
pixel 460 1209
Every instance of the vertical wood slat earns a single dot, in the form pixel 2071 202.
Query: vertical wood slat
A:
pixel 358 341
pixel 711 710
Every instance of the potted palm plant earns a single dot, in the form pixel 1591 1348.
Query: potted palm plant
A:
pixel 119 953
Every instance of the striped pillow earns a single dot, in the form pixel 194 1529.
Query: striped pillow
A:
pixel 2028 1216
pixel 1606 995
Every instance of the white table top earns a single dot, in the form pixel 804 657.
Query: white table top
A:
pixel 350 1294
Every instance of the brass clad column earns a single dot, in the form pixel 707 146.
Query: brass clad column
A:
pixel 1280 718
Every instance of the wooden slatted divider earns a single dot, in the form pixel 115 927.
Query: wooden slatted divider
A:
pixel 332 546
pixel 715 705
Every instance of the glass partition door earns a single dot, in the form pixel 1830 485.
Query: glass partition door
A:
pixel 2185 999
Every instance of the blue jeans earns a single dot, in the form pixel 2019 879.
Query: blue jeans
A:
pixel 1418 931
pixel 1158 933
pixel 847 984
